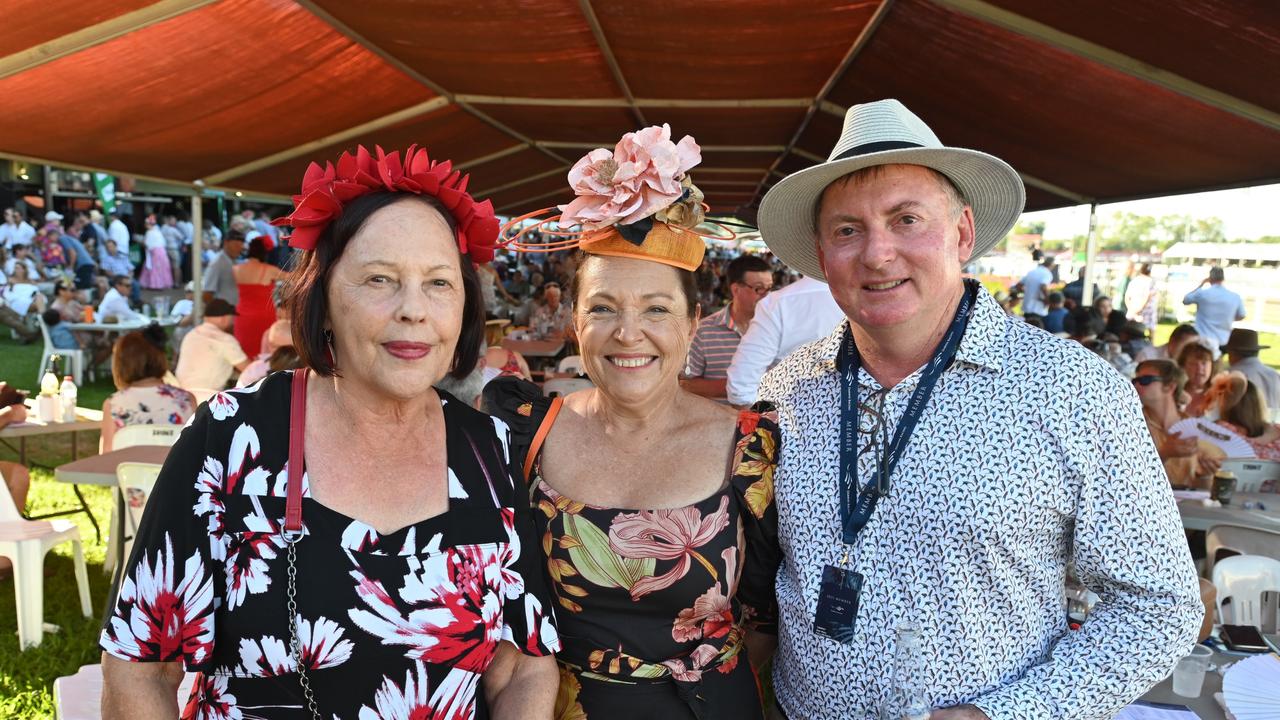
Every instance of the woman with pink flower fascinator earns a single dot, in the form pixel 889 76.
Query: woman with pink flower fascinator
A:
pixel 655 541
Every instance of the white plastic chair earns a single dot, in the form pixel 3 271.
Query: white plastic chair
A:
pixel 564 386
pixel 570 364
pixel 26 542
pixel 1251 473
pixel 1241 580
pixel 135 481
pixel 1241 540
pixel 131 435
pixel 79 696
pixel 76 357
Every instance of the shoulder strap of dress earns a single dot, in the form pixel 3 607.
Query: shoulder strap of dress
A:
pixel 534 447
pixel 297 434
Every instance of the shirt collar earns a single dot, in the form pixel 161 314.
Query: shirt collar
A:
pixel 982 345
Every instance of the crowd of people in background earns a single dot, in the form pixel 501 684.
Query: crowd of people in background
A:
pixel 1206 369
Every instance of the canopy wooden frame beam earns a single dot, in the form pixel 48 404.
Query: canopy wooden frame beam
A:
pixel 306 148
pixel 602 42
pixel 522 181
pixel 521 147
pixel 1026 27
pixel 716 104
pixel 104 31
pixel 400 65
pixel 1049 187
pixel 859 43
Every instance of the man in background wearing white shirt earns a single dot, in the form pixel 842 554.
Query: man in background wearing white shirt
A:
pixel 210 354
pixel 1035 303
pixel 119 232
pixel 14 231
pixel 1217 309
pixel 116 302
pixel 786 319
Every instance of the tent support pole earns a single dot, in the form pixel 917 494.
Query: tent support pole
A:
pixel 1090 254
pixel 197 256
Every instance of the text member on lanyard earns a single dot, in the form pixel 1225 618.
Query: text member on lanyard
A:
pixel 838 597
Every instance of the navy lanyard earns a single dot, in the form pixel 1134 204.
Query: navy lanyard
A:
pixel 856 507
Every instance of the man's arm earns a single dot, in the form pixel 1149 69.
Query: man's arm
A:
pixel 1192 297
pixel 1130 549
pixel 706 387
pixel 1239 308
pixel 758 350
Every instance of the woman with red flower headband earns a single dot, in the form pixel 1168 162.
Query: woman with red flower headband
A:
pixel 344 540
pixel 657 542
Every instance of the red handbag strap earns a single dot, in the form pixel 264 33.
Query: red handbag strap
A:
pixel 297 436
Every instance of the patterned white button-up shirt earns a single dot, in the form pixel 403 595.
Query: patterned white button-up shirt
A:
pixel 1031 454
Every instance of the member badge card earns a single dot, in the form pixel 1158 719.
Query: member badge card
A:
pixel 838 604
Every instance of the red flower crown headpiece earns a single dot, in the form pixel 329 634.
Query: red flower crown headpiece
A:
pixel 326 190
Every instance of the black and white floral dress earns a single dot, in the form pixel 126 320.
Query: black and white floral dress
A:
pixel 391 626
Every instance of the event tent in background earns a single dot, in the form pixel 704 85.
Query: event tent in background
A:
pixel 1092 100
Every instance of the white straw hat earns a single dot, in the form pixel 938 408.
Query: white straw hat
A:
pixel 885 132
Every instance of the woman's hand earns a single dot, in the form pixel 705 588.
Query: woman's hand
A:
pixel 519 686
pixel 1206 467
pixel 1176 445
pixel 137 690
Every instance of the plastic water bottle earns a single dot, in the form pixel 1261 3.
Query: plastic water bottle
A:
pixel 47 403
pixel 68 395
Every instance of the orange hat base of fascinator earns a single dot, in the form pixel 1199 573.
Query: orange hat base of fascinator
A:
pixel 668 244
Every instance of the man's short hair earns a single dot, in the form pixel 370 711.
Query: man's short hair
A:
pixel 955 198
pixel 117 279
pixel 233 235
pixel 1056 298
pixel 1182 331
pixel 1216 274
pixel 743 264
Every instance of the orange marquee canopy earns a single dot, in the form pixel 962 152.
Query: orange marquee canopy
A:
pixel 1091 100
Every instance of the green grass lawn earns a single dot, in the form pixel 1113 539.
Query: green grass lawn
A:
pixel 26 678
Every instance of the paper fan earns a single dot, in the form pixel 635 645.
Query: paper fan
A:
pixel 1214 434
pixel 1252 688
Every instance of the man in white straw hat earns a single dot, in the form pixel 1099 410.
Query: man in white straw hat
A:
pixel 943 464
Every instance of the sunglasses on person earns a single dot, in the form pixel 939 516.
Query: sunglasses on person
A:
pixel 759 290
pixel 1145 380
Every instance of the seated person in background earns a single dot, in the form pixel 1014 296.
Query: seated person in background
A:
pixel 1199 367
pixel 1056 318
pixel 550 318
pixel 66 302
pixel 17 479
pixel 116 302
pixel 1111 350
pixel 1242 411
pixel 279 335
pixel 501 362
pixel 1181 336
pixel 21 294
pixel 749 279
pixel 1133 338
pixel 184 312
pixel 142 397
pixel 1159 384
pixel 1084 325
pixel 61 337
pixel 210 354
pixel 21 256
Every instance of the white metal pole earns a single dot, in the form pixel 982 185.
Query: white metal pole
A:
pixel 1091 250
pixel 197 256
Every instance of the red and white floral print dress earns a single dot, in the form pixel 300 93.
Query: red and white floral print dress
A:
pixel 391 626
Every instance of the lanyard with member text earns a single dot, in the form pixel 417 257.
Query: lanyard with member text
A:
pixel 856 507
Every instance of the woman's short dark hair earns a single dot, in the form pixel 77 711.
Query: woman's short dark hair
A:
pixel 134 357
pixel 258 249
pixel 308 287
pixel 688 283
